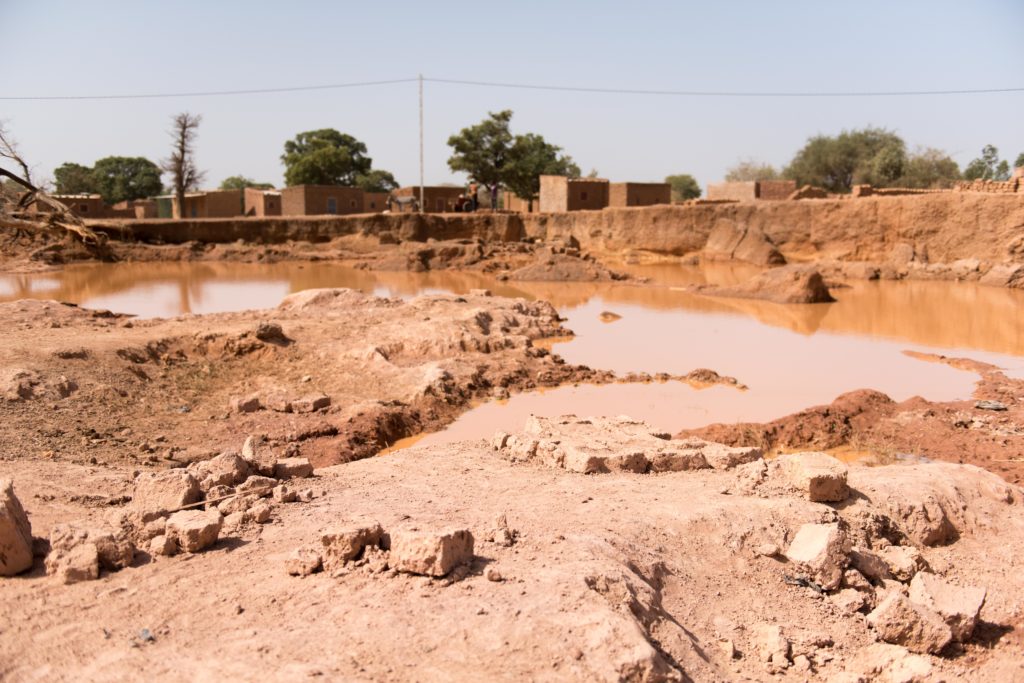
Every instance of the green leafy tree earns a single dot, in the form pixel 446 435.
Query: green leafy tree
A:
pixel 483 151
pixel 988 166
pixel 324 157
pixel 530 157
pixel 1019 161
pixel 240 182
pixel 684 186
pixel 871 155
pixel 121 178
pixel 749 169
pixel 71 178
pixel 929 169
pixel 376 180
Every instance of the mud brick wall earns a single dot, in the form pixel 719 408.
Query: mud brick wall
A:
pixel 740 192
pixel 774 190
pixel 639 194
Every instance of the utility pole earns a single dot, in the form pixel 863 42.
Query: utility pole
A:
pixel 422 198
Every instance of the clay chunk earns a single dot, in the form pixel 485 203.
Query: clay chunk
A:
pixel 430 553
pixel 15 533
pixel 818 476
pixel 899 621
pixel 160 492
pixel 194 530
pixel 821 549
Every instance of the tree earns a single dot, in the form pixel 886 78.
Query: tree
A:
pixel 376 180
pixel 871 155
pixel 988 166
pixel 929 169
pixel 684 186
pixel 74 178
pixel 240 182
pixel 748 170
pixel 1019 161
pixel 482 151
pixel 530 157
pixel 185 175
pixel 121 178
pixel 324 157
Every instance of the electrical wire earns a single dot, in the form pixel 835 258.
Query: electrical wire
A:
pixel 720 93
pixel 526 86
pixel 212 93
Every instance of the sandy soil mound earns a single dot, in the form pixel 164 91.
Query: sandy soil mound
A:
pixel 461 562
pixel 333 375
pixel 987 430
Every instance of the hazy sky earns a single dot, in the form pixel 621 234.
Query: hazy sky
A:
pixel 97 48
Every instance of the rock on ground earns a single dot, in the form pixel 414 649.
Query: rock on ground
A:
pixel 430 553
pixel 958 606
pixel 818 476
pixel 344 545
pixel 821 550
pixel 158 493
pixel 194 530
pixel 601 445
pixel 303 562
pixel 899 621
pixel 15 532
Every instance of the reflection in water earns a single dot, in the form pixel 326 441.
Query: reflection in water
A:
pixel 790 356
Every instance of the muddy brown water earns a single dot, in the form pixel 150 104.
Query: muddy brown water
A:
pixel 791 357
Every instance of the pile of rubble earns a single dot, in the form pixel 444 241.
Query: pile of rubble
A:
pixel 171 511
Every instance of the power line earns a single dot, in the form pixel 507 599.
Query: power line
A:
pixel 525 86
pixel 212 93
pixel 722 93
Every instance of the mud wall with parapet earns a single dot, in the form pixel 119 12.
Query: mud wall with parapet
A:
pixel 947 226
pixel 277 230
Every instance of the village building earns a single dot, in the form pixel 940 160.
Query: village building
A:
pixel 559 194
pixel 204 204
pixel 439 198
pixel 83 205
pixel 320 200
pixel 513 202
pixel 639 194
pixel 262 202
pixel 375 202
pixel 770 190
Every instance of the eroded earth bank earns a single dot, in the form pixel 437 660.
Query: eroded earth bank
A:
pixel 218 496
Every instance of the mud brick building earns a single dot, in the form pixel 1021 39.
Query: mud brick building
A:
pixel 513 202
pixel 84 205
pixel 262 202
pixel 374 202
pixel 559 193
pixel 639 194
pixel 751 190
pixel 318 200
pixel 439 199
pixel 205 204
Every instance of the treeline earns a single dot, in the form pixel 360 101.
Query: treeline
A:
pixel 874 156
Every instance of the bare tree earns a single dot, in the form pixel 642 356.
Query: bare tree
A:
pixel 59 217
pixel 185 175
